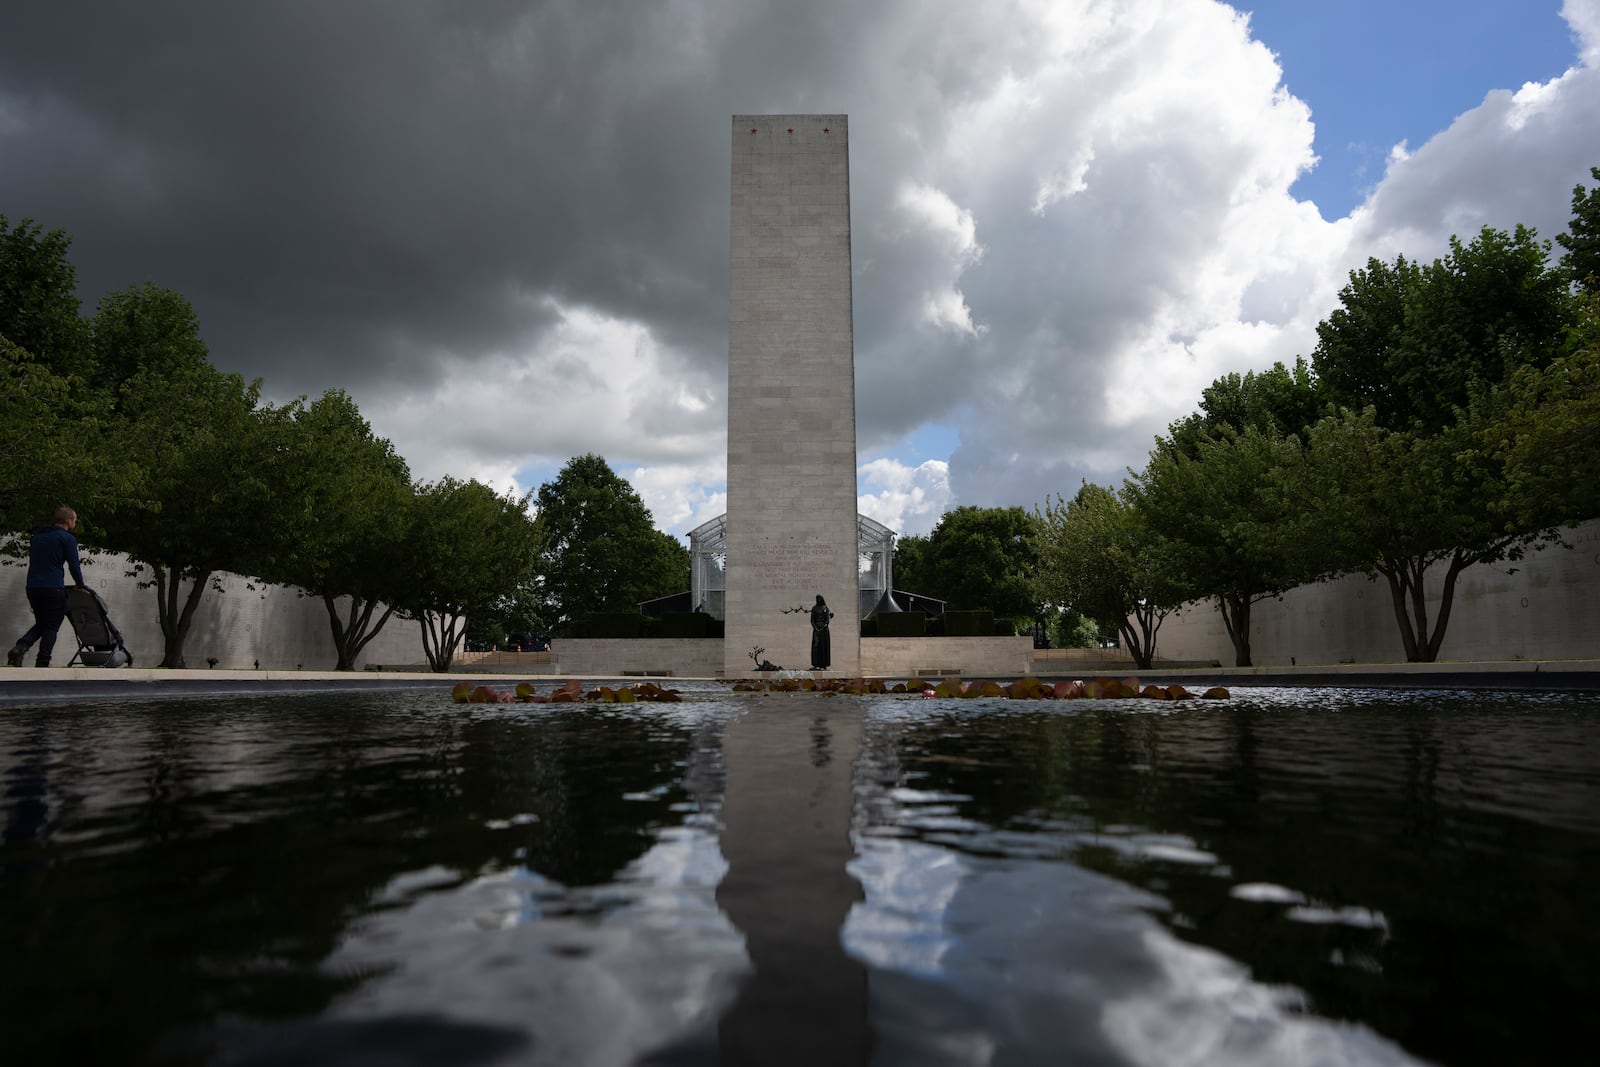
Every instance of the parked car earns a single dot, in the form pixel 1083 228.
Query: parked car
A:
pixel 522 641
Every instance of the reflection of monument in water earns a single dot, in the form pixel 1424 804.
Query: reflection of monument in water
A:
pixel 791 532
pixel 786 837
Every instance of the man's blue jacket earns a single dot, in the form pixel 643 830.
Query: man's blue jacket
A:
pixel 49 550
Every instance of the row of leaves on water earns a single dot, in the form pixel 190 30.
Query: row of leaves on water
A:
pixel 1029 688
pixel 572 692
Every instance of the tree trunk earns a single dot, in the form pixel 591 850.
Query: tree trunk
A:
pixel 1409 594
pixel 425 624
pixel 350 637
pixel 1236 617
pixel 1395 575
pixel 1131 640
pixel 439 639
pixel 1141 643
pixel 1447 596
pixel 175 620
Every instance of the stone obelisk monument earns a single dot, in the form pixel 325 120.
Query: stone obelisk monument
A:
pixel 791 525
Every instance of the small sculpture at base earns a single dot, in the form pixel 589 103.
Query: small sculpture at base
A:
pixel 821 644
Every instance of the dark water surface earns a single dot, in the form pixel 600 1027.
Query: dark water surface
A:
pixel 1290 877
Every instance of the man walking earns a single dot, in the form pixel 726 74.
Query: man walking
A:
pixel 50 550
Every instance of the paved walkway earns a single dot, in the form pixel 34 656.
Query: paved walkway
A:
pixel 1503 674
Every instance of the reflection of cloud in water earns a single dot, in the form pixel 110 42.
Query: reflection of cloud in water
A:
pixel 1355 917
pixel 1266 893
pixel 1170 848
pixel 597 975
pixel 978 959
pixel 1359 918
pixel 900 926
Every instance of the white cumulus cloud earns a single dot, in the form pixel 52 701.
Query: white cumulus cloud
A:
pixel 908 500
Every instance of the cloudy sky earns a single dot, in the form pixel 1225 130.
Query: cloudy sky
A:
pixel 502 226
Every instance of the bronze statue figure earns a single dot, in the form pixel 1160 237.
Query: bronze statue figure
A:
pixel 821 646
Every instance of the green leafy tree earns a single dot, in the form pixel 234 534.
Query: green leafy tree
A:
pixel 196 433
pixel 1412 341
pixel 1409 487
pixel 468 545
pixel 340 515
pixel 144 329
pixel 1069 629
pixel 978 558
pixel 1544 431
pixel 193 432
pixel 516 608
pixel 1581 260
pixel 600 549
pixel 51 430
pixel 911 569
pixel 1360 352
pixel 39 309
pixel 54 447
pixel 1099 557
pixel 1279 399
pixel 1411 507
pixel 31 399
pixel 1232 515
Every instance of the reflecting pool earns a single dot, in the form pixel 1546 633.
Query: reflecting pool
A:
pixel 1288 877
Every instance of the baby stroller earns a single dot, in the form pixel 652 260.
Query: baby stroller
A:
pixel 99 643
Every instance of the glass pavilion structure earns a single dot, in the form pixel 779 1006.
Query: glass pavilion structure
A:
pixel 708 576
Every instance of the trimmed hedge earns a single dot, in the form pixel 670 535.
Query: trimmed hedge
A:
pixel 979 623
pixel 613 624
pixel 902 624
pixel 631 624
pixel 685 624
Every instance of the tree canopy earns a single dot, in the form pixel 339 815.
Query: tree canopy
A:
pixel 1100 558
pixel 196 433
pixel 600 550
pixel 1411 341
pixel 1233 518
pixel 974 558
pixel 1581 242
pixel 52 428
pixel 341 496
pixel 468 547
pixel 1278 399
pixel 39 310
pixel 144 329
pixel 53 445
pixel 1547 438
pixel 1405 506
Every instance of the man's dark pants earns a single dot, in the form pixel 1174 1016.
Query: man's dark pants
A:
pixel 49 609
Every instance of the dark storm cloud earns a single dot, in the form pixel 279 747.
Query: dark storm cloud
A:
pixel 323 178
pixel 372 195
